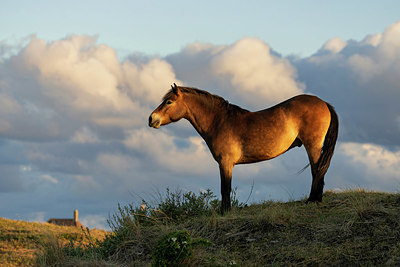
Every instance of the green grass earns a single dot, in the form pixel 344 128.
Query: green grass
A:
pixel 349 228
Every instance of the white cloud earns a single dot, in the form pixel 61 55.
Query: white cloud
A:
pixel 365 165
pixel 255 73
pixel 76 74
pixel 49 178
pixel 361 81
pixel 95 221
pixel 378 162
pixel 363 65
pixel 334 45
pixel 160 148
pixel 77 116
pixel 52 88
pixel 381 61
pixel 373 39
pixel 148 81
pixel 247 72
pixel 390 43
pixel 84 136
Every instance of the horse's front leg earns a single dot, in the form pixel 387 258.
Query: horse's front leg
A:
pixel 226 179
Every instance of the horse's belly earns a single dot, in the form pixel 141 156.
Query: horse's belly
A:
pixel 267 136
pixel 264 150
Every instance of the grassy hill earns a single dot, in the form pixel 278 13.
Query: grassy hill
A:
pixel 346 229
pixel 21 242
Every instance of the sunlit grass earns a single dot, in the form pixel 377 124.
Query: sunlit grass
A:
pixel 351 227
pixel 21 241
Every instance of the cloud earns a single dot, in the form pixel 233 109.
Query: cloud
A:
pixel 75 74
pixel 377 161
pixel 95 221
pixel 148 82
pixel 365 165
pixel 191 157
pixel 53 88
pixel 49 178
pixel 84 135
pixel 361 81
pixel 255 73
pixel 334 45
pixel 73 119
pixel 247 72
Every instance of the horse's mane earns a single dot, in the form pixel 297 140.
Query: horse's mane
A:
pixel 208 97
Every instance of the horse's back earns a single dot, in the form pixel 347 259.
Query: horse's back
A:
pixel 301 103
pixel 298 110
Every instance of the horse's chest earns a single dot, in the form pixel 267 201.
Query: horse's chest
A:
pixel 226 147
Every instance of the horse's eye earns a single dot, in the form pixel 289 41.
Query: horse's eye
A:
pixel 169 102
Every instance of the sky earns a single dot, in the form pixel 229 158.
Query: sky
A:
pixel 78 81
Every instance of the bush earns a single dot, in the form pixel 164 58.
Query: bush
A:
pixel 172 249
pixel 179 206
pixel 131 223
pixel 175 205
pixel 176 247
pixel 136 231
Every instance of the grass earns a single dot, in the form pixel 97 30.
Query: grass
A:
pixel 21 242
pixel 348 228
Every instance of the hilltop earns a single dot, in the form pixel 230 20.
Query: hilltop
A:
pixel 347 228
pixel 21 241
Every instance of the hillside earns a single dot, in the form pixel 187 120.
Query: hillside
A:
pixel 347 229
pixel 20 241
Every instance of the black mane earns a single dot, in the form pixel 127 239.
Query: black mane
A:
pixel 208 97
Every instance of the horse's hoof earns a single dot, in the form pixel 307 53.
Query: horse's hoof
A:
pixel 311 200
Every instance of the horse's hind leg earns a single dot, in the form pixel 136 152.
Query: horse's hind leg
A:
pixel 317 186
pixel 319 139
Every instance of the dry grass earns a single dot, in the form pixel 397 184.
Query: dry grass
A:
pixel 349 228
pixel 21 241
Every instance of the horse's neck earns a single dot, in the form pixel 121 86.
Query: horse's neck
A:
pixel 202 115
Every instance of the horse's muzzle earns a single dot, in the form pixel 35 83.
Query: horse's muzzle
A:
pixel 155 123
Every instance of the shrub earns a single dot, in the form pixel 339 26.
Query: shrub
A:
pixel 136 231
pixel 178 205
pixel 172 249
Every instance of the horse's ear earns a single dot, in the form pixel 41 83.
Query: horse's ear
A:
pixel 175 89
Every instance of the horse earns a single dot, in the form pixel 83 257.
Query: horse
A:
pixel 237 136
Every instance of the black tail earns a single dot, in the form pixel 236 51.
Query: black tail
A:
pixel 329 143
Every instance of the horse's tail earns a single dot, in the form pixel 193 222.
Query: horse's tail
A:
pixel 329 143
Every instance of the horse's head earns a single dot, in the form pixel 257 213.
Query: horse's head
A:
pixel 170 110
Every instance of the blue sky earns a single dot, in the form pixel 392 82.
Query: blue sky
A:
pixel 78 80
pixel 164 27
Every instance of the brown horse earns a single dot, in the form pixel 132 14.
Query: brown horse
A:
pixel 238 136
